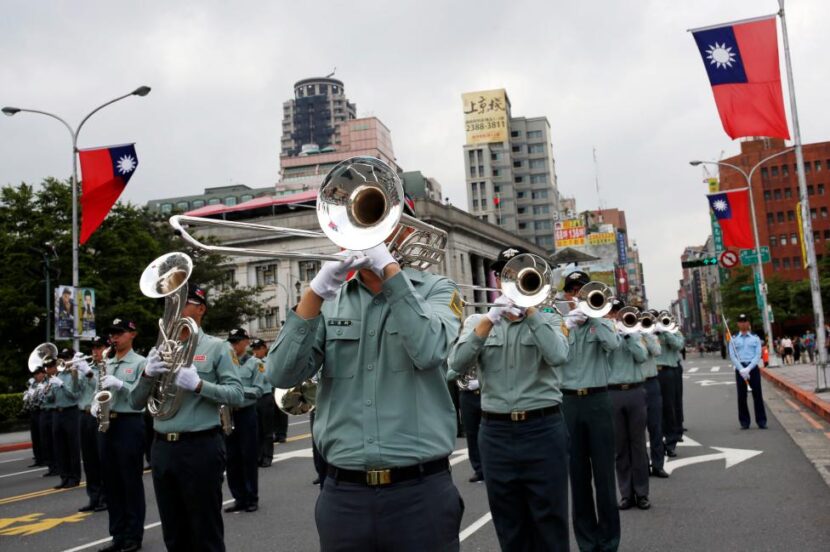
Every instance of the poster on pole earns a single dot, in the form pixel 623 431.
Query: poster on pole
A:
pixel 65 313
pixel 86 313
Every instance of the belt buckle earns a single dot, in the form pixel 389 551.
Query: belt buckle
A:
pixel 518 416
pixel 581 392
pixel 172 437
pixel 625 387
pixel 113 415
pixel 378 477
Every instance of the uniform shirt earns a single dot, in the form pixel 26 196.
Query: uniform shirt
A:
pixel 217 367
pixel 66 395
pixel 745 347
pixel 382 400
pixel 627 360
pixel 518 362
pixel 670 345
pixel 128 369
pixel 89 387
pixel 650 365
pixel 46 403
pixel 265 383
pixel 252 376
pixel 589 345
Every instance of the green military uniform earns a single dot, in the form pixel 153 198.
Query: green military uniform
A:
pixel 47 416
pixel 66 395
pixel 254 383
pixel 89 386
pixel 668 372
pixel 626 361
pixel 65 424
pixel 654 403
pixel 128 369
pixel 90 450
pixel 588 415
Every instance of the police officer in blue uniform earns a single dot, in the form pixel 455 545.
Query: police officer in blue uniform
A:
pixel 745 353
pixel 385 423
pixel 64 392
pixel 188 455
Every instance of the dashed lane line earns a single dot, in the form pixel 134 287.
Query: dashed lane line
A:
pixel 715 369
pixel 693 370
pixel 22 472
pixel 475 526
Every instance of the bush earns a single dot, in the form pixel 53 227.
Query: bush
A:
pixel 11 405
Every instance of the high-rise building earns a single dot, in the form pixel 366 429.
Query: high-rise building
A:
pixel 314 115
pixel 510 169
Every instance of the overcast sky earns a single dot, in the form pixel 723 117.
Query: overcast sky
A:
pixel 624 77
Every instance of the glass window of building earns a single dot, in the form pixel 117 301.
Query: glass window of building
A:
pixel 517 149
pixel 246 197
pixel 780 216
pixel 475 204
pixel 266 274
pixel 517 163
pixel 539 194
pixel 230 200
pixel 536 148
pixel 269 318
pixel 806 167
pixel 496 188
pixel 793 239
pixel 782 239
pixel 214 201
pixel 790 216
pixel 773 171
pixel 541 209
pixel 773 241
pixel 810 190
pixel 767 195
pixel 827 234
pixel 817 165
pixel 820 188
pixel 534 134
pixel 785 170
pixel 541 225
pixel 537 163
pixel 495 156
pixel 481 170
pixel 764 173
pixel 496 172
pixel 812 213
pixel 166 207
pixel 824 212
pixel 520 195
pixel 182 205
pixel 522 226
pixel 786 262
pixel 518 179
pixel 514 133
pixel 198 203
pixel 521 210
pixel 776 194
pixel 770 218
pixel 776 264
pixel 538 178
pixel 788 193
pixel 308 270
pixel 796 261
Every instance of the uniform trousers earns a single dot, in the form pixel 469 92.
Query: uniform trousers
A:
pixel 668 391
pixel 526 474
pixel 187 478
pixel 654 414
pixel 122 462
pixel 47 447
pixel 319 463
pixel 411 516
pixel 678 398
pixel 34 430
pixel 91 456
pixel 280 424
pixel 66 437
pixel 757 398
pixel 242 447
pixel 471 417
pixel 591 432
pixel 149 436
pixel 630 441
pixel 265 428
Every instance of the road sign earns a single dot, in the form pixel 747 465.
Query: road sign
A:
pixel 706 261
pixel 748 256
pixel 728 259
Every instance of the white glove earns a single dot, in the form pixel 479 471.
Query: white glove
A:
pixel 41 386
pixel 575 318
pixel 187 378
pixel 155 366
pixel 744 373
pixel 333 273
pixel 81 364
pixel 473 385
pixel 380 258
pixel 94 408
pixel 56 381
pixel 502 307
pixel 27 394
pixel 111 382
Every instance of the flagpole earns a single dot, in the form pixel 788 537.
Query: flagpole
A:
pixel 806 222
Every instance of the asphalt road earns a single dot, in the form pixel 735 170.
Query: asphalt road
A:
pixel 772 498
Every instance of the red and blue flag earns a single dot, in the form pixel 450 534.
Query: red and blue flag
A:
pixel 731 210
pixel 104 175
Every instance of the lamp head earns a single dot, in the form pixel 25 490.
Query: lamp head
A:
pixel 11 111
pixel 141 91
pixel 695 163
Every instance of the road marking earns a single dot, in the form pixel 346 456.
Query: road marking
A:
pixel 298 437
pixel 733 457
pixel 22 473
pixel 709 383
pixel 11 460
pixel 809 419
pixel 715 369
pixel 298 423
pixel 475 526
pixel 693 370
pixel 30 525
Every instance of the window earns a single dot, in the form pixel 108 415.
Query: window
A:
pixel 246 197
pixel 166 208
pixel 182 205
pixel 827 234
pixel 495 156
pixel 495 172
pixel 776 194
pixel 266 275
pixel 764 173
pixel 521 210
pixel 538 178
pixel 782 239
pixel 788 193
pixel 544 240
pixel 518 179
pixel 269 318
pixel 820 189
pixel 198 203
pixel 779 216
pixel 796 262
pixel 541 209
pixel 806 167
pixel 475 204
pixel 812 213
pixel 536 148
pixel 514 133
pixel 773 241
pixel 308 270
pixel 818 166
pixel 810 190
pixel 541 225
pixel 227 280
pixel 767 195
pixel 790 216
pixel 786 263
pixel 776 264
pixel 539 194
pixel 496 188
pixel 522 226
pixel 537 163
pixel 793 239
pixel 770 218
pixel 520 195
pixel 517 163
pixel 773 171
pixel 214 201
pixel 517 149
pixel 481 170
pixel 816 236
pixel 534 134
pixel 230 200
pixel 785 170
pixel 824 212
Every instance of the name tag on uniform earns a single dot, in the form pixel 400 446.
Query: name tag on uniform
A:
pixel 128 371
pixel 200 358
pixel 338 322
pixel 593 330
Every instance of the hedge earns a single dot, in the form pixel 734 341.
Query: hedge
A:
pixel 11 405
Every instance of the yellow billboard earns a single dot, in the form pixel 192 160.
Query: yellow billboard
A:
pixel 485 116
pixel 569 233
pixel 602 238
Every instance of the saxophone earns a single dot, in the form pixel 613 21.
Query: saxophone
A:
pixel 226 419
pixel 103 398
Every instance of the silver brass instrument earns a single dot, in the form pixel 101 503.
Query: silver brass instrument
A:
pixel 359 205
pixel 647 322
pixel 666 322
pixel 167 277
pixel 594 299
pixel 226 419
pixel 42 355
pixel 103 397
pixel 463 382
pixel 628 320
pixel 526 279
pixel 297 400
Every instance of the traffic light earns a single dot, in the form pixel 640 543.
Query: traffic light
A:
pixel 706 261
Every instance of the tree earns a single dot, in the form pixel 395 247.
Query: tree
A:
pixel 111 262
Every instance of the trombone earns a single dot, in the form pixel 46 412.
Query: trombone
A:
pixel 526 280
pixel 359 205
pixel 594 299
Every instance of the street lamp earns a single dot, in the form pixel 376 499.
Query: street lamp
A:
pixel 9 111
pixel 759 267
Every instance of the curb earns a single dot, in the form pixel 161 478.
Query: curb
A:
pixel 15 446
pixel 807 398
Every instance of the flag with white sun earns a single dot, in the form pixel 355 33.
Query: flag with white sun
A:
pixel 105 173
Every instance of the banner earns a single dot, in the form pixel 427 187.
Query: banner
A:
pixel 65 312
pixel 622 250
pixel 602 238
pixel 622 280
pixel 569 233
pixel 485 116
pixel 86 313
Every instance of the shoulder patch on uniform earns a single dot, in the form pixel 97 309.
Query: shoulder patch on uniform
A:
pixel 199 358
pixel 457 305
pixel 261 367
pixel 234 358
pixel 564 329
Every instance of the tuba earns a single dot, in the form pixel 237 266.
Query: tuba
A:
pixel 463 382
pixel 103 397
pixel 297 400
pixel 594 299
pixel 628 320
pixel 167 277
pixel 45 353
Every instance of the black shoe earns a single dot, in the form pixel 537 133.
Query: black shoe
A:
pixel 680 440
pixel 111 547
pixel 643 503
pixel 762 426
pixel 476 478
pixel 265 464
pixel 316 481
pixel 625 503
pixel 35 465
pixel 251 507
pixel 88 508
pixel 101 507
pixel 130 546
pixel 235 507
pixel 50 474
pixel 71 484
pixel 62 484
pixel 670 453
pixel 659 472
pixel 744 427
pixel 280 439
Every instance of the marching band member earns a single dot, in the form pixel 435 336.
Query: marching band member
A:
pixel 34 398
pixel 670 345
pixel 63 395
pixel 470 407
pixel 265 409
pixel 384 423
pixel 242 442
pixel 628 398
pixel 523 438
pixel 188 455
pixel 588 415
pixel 90 453
pixel 50 368
pixel 122 446
pixel 745 354
pixel 654 406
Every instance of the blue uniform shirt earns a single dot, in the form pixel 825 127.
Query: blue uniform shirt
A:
pixel 745 347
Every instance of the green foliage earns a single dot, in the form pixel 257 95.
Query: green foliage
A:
pixel 111 262
pixel 11 406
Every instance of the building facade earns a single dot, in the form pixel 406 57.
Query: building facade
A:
pixel 314 115
pixel 221 195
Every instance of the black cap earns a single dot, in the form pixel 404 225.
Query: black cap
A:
pixel 98 341
pixel 66 353
pixel 238 334
pixel 256 343
pixel 121 325
pixel 575 278
pixel 196 294
pixel 743 318
pixel 616 304
pixel 505 255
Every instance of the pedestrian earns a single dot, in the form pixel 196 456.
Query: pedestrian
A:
pixel 809 341
pixel 797 347
pixel 745 352
pixel 787 349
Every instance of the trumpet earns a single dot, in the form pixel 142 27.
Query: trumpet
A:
pixel 359 205
pixel 647 322
pixel 628 320
pixel 594 299
pixel 526 280
pixel 666 322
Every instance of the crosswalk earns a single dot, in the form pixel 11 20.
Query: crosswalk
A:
pixel 696 369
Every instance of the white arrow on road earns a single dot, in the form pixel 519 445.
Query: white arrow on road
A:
pixel 708 382
pixel 733 457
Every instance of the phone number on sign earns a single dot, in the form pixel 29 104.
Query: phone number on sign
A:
pixel 485 125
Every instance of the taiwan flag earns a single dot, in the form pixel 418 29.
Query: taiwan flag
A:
pixel 732 212
pixel 104 175
pixel 741 60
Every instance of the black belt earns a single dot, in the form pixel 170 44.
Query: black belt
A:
pixel 661 367
pixel 624 386
pixel 520 415
pixel 388 476
pixel 476 392
pixel 114 415
pixel 65 408
pixel 650 378
pixel 238 408
pixel 183 436
pixel 585 391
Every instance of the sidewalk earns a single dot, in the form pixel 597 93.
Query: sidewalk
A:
pixel 799 380
pixel 17 440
